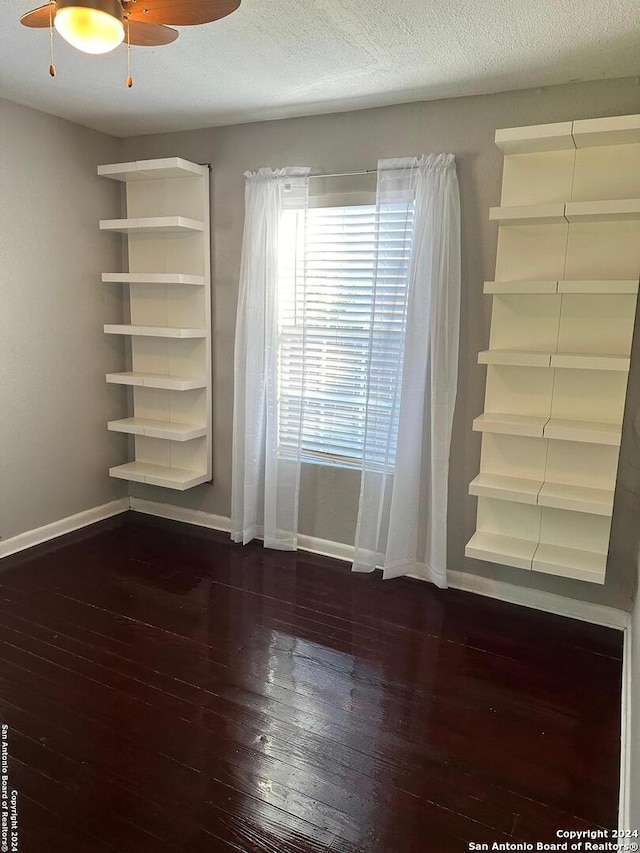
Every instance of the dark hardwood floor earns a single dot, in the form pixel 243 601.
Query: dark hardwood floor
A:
pixel 167 691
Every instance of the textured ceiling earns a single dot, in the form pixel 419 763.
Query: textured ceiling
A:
pixel 277 58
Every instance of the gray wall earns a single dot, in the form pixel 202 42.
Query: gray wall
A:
pixel 54 402
pixel 349 141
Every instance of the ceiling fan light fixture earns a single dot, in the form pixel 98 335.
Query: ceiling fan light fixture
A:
pixel 92 26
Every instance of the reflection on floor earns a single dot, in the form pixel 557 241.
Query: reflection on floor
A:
pixel 167 691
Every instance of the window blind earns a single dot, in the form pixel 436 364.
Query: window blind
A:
pixel 342 301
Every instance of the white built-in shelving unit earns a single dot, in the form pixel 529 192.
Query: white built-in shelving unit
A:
pixel 169 323
pixel 564 302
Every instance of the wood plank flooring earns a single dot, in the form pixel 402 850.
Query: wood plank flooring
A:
pixel 167 691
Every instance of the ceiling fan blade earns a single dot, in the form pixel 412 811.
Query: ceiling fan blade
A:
pixel 38 17
pixel 149 35
pixel 179 13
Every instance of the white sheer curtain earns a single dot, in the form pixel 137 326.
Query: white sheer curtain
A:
pixel 265 485
pixel 402 517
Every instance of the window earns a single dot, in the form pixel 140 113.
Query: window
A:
pixel 342 297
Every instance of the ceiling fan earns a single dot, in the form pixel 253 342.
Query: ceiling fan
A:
pixel 98 26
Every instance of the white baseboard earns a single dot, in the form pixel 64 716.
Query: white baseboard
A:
pixel 626 739
pixel 585 611
pixel 178 513
pixel 598 614
pixel 59 528
pixel 326 548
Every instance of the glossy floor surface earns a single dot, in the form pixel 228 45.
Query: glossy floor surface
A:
pixel 165 690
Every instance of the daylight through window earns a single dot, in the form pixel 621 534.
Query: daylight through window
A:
pixel 342 299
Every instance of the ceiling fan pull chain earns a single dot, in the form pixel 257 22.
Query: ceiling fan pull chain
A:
pixel 52 67
pixel 129 77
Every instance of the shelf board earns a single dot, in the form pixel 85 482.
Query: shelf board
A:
pixel 518 489
pixel 602 211
pixel 570 563
pixel 629 286
pixel 611 286
pixel 154 331
pixel 577 361
pixel 159 475
pixel 158 429
pixel 506 287
pixel 510 424
pixel 590 432
pixel 589 361
pixel 516 358
pixel 541 493
pixel 166 167
pixel 572 211
pixel 530 214
pixel 164 224
pixel 157 380
pixel 614 130
pixel 550 559
pixel 576 498
pixel 152 278
pixel 505 550
pixel 561 136
pixel 536 138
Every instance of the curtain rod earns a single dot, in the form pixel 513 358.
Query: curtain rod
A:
pixel 346 174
